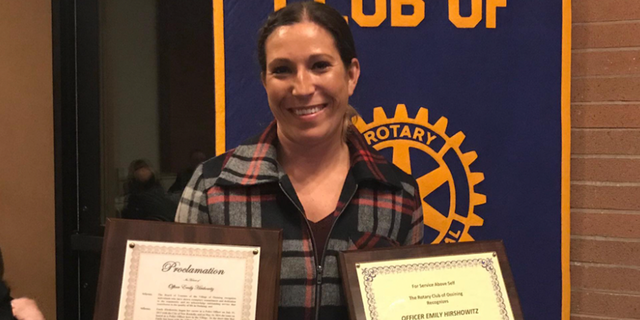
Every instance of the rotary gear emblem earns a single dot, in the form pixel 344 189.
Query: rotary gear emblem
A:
pixel 448 174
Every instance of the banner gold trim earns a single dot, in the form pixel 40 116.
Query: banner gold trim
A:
pixel 219 76
pixel 566 158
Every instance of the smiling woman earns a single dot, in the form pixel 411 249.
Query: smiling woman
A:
pixel 311 173
pixel 319 22
pixel 307 84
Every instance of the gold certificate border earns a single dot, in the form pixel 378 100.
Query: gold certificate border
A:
pixel 138 250
pixel 370 274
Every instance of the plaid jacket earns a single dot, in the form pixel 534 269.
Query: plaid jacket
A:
pixel 379 206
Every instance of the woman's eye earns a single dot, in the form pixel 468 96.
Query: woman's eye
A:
pixel 280 70
pixel 321 65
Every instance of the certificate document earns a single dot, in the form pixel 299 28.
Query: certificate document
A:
pixel 165 280
pixel 465 287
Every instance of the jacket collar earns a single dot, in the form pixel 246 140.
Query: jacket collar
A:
pixel 254 162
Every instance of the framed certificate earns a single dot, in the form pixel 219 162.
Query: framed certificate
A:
pixel 162 270
pixel 471 279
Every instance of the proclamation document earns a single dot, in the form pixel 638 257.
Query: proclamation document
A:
pixel 165 280
pixel 465 287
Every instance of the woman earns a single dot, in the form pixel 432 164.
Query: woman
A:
pixel 310 173
pixel 146 199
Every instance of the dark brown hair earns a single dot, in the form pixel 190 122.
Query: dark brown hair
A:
pixel 321 14
pixel 133 184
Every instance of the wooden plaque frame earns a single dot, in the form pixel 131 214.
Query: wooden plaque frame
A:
pixel 118 231
pixel 349 259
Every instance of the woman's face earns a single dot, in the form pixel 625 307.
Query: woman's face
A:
pixel 307 84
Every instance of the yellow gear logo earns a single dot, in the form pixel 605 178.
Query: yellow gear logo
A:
pixel 450 170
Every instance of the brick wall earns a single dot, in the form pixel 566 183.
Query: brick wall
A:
pixel 605 155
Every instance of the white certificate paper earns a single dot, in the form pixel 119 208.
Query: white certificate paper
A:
pixel 165 280
pixel 467 286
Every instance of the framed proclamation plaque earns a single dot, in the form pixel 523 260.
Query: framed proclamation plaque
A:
pixel 164 270
pixel 470 280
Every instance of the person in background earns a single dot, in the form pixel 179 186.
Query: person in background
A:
pixel 11 309
pixel 196 157
pixel 310 173
pixel 146 199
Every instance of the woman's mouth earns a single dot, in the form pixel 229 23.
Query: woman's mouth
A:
pixel 308 110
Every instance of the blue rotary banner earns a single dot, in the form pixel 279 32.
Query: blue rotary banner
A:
pixel 469 96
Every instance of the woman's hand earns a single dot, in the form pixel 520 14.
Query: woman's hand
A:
pixel 26 309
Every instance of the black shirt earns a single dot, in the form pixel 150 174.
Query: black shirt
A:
pixel 320 230
pixel 5 302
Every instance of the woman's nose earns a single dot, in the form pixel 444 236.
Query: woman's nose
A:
pixel 303 84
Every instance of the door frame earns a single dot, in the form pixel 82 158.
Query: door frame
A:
pixel 75 45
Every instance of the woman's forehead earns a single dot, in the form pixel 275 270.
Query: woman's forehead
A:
pixel 304 31
pixel 303 27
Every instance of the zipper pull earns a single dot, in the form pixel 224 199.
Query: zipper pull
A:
pixel 319 274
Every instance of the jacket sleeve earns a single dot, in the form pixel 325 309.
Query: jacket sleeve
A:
pixel 416 229
pixel 416 233
pixel 192 207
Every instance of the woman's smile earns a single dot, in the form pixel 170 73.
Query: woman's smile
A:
pixel 308 111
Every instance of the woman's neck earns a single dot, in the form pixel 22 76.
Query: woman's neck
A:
pixel 303 161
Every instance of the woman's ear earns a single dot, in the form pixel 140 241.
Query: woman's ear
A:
pixel 353 74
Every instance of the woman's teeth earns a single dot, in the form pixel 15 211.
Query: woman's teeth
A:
pixel 305 111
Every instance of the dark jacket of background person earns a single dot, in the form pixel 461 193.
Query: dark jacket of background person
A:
pixel 181 181
pixel 149 203
pixel 196 157
pixel 146 199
